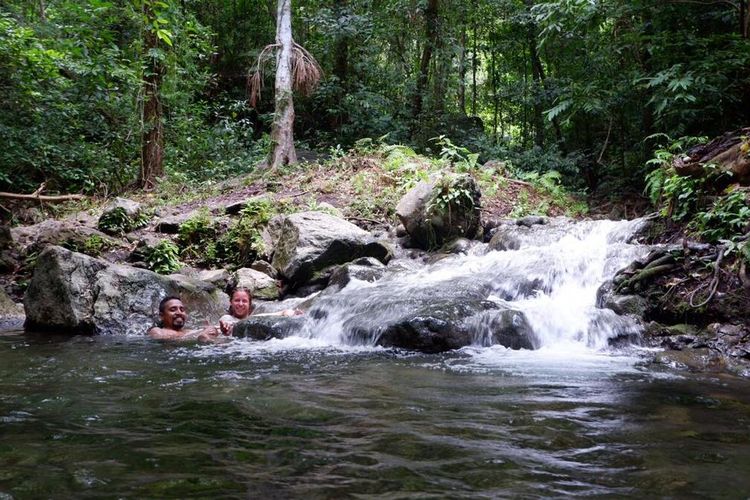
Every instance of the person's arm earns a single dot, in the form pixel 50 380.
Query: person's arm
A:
pixel 205 335
pixel 157 333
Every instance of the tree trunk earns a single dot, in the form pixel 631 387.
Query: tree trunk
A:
pixel 474 64
pixel 536 78
pixel 282 131
pixel 341 49
pixel 152 139
pixel 462 72
pixel 430 15
pixel 745 18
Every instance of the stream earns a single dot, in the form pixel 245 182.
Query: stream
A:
pixel 326 413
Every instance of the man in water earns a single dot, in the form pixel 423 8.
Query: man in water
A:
pixel 173 317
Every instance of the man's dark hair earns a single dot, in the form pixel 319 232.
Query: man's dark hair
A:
pixel 164 301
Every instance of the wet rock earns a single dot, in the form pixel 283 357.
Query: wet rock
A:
pixel 459 246
pixel 445 326
pixel 429 226
pixel 532 220
pixel 506 327
pixel 363 269
pixel 504 239
pixel 634 305
pixel 530 231
pixel 74 293
pixel 309 242
pixel 262 327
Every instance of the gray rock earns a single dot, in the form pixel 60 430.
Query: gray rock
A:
pixel 74 293
pixel 634 305
pixel 532 220
pixel 171 224
pixel 8 308
pixel 53 232
pixel 309 242
pixel 429 226
pixel 217 277
pixel 265 268
pixel 260 284
pixel 504 239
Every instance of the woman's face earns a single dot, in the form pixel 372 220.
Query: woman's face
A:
pixel 240 304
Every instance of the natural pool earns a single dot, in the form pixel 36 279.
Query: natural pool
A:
pixel 127 417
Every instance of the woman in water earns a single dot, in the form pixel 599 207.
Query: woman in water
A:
pixel 241 306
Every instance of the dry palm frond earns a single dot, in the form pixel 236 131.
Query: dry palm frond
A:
pixel 255 79
pixel 306 72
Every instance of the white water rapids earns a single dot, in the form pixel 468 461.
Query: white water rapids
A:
pixel 552 279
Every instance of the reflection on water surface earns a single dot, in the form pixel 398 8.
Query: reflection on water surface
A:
pixel 91 417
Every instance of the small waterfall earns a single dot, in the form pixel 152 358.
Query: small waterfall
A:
pixel 547 285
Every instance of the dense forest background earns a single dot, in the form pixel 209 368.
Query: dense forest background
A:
pixel 586 87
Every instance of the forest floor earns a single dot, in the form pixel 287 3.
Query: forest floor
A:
pixel 365 188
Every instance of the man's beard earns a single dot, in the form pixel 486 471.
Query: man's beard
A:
pixel 178 324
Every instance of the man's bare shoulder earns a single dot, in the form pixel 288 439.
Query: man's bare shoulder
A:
pixel 163 333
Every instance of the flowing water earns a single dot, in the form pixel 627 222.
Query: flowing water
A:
pixel 318 416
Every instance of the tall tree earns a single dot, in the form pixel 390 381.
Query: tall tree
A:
pixel 282 132
pixel 295 68
pixel 152 140
pixel 431 36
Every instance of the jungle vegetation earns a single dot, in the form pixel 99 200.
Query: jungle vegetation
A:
pixel 102 96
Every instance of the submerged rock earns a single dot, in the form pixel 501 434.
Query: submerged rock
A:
pixel 266 327
pixel 446 326
pixel 74 293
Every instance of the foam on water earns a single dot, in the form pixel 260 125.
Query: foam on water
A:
pixel 552 280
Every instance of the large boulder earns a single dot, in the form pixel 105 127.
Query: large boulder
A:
pixel 72 233
pixel 260 284
pixel 440 210
pixel 75 293
pixel 306 243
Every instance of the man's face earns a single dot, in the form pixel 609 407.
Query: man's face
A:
pixel 174 315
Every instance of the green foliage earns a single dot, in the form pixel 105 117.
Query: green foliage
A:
pixel 163 258
pixel 197 238
pixel 458 157
pixel 677 197
pixel 117 221
pixel 94 245
pixel 450 193
pixel 243 243
pixel 726 219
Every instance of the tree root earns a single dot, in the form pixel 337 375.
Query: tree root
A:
pixel 713 285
